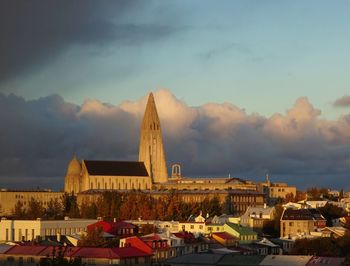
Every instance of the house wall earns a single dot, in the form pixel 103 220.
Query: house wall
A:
pixel 16 230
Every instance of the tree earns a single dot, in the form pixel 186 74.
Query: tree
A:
pixel 330 212
pixel 70 206
pixel 315 193
pixel 58 259
pixel 19 211
pixel 94 238
pixel 54 210
pixel 35 209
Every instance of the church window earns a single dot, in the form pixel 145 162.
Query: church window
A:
pixel 91 185
pixel 105 185
pixel 112 185
pixel 98 185
pixel 119 185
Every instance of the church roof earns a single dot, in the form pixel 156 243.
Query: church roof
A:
pixel 115 168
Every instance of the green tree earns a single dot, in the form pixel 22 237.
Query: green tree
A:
pixel 19 212
pixel 54 210
pixel 70 206
pixel 35 209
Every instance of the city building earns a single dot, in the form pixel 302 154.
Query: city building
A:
pixel 257 217
pixel 9 198
pixel 301 222
pixel 27 230
pixel 33 255
pixel 115 228
pixel 244 234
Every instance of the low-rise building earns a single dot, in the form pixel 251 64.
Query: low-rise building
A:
pixel 257 217
pixel 9 198
pixel 225 239
pixel 26 230
pixel 116 228
pixel 244 234
pixel 285 260
pixel 299 223
pixel 33 255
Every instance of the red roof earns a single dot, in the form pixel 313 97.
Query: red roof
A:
pixel 224 235
pixel 130 252
pixel 51 250
pixel 135 241
pixel 109 253
pixel 111 227
pixel 25 250
pixel 87 252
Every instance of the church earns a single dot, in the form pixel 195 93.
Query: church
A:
pixel 88 179
pixel 150 169
pixel 148 173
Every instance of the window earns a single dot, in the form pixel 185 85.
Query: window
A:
pixel 7 234
pixel 192 226
pixel 30 260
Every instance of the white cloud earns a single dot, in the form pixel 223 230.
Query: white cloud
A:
pixel 39 137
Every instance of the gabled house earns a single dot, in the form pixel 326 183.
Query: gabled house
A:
pixel 244 234
pixel 257 217
pixel 300 223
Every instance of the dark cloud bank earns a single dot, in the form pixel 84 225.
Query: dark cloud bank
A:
pixel 39 137
pixel 35 33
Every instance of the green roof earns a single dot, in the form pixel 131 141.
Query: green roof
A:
pixel 241 229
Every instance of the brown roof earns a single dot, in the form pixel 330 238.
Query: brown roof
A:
pixel 115 168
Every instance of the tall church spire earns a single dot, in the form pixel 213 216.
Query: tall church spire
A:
pixel 151 150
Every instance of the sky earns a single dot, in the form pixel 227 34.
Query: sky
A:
pixel 243 87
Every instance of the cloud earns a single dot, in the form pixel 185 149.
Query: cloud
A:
pixel 40 136
pixel 342 102
pixel 34 34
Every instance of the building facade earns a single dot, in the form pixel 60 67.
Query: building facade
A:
pixel 27 230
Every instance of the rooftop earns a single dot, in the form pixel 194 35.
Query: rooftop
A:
pixel 115 168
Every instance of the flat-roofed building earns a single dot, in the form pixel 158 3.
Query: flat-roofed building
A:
pixel 19 230
pixel 9 198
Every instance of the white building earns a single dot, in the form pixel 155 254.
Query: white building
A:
pixel 19 230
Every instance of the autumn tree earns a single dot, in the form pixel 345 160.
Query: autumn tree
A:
pixel 330 212
pixel 315 193
pixel 57 259
pixel 94 238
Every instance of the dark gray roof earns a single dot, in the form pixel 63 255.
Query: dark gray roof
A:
pixel 115 168
pixel 195 259
pixel 241 260
pixel 302 214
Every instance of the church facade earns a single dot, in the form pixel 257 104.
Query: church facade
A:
pixel 117 175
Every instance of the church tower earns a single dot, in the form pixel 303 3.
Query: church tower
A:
pixel 151 150
pixel 72 178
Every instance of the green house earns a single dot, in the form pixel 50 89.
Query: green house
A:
pixel 244 234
